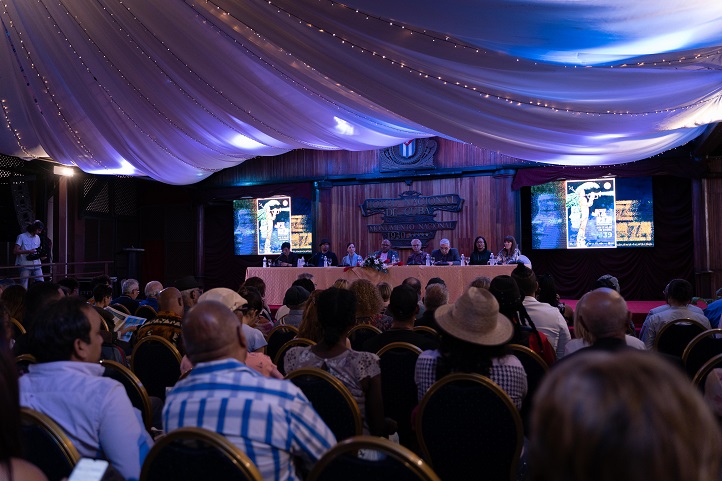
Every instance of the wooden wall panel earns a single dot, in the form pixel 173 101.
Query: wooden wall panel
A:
pixel 713 216
pixel 489 209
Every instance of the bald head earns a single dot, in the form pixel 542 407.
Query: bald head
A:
pixel 603 313
pixel 170 299
pixel 212 331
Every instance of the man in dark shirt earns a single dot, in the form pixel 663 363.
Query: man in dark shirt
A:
pixel 403 308
pixel 287 258
pixel 317 258
pixel 445 255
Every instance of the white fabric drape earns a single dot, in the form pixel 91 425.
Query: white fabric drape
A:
pixel 179 89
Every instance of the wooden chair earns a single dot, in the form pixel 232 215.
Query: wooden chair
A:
pixel 46 445
pixel 674 336
pixel 468 428
pixel 18 328
pixel 331 400
pixel 535 368
pixel 23 361
pixel 121 308
pixel 396 463
pixel 146 312
pixel 279 336
pixel 361 333
pixel 701 376
pixel 133 387
pixel 190 454
pixel 156 362
pixel 279 361
pixel 701 349
pixel 398 387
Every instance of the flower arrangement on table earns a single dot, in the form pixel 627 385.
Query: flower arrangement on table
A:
pixel 375 263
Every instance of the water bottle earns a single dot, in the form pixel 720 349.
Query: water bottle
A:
pixel 265 262
pixel 463 260
pixel 492 261
pixel 325 261
pixel 428 260
pixel 299 263
pixel 393 260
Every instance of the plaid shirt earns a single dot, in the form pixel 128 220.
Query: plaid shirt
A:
pixel 506 371
pixel 269 419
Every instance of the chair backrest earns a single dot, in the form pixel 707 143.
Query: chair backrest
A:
pixel 18 328
pixel 674 336
pixel 46 445
pixel 701 376
pixel 468 427
pixel 535 368
pixel 398 387
pixel 190 454
pixel 427 331
pixel 361 333
pixel 346 461
pixel 279 361
pixel 701 349
pixel 279 336
pixel 156 362
pixel 120 307
pixel 133 387
pixel 146 312
pixel 331 400
pixel 23 361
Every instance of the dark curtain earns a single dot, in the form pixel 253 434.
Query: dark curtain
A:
pixel 642 272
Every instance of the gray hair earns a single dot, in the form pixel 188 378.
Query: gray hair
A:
pixel 153 288
pixel 128 285
pixel 444 241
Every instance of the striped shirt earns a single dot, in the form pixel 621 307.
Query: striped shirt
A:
pixel 270 420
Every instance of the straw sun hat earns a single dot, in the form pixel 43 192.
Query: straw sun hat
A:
pixel 475 318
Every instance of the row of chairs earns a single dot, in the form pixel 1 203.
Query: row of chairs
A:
pixel 699 348
pixel 466 425
pixel 146 312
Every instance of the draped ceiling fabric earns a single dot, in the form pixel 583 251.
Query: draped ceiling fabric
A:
pixel 177 90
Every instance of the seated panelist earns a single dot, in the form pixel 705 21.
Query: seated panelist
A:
pixel 287 258
pixel 445 255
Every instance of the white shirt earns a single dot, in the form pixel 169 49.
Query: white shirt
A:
pixel 576 344
pixel 27 242
pixel 550 321
pixel 94 411
pixel 655 321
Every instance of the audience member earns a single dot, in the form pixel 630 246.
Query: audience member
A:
pixel 481 282
pixel 547 319
pixel 416 284
pixel 259 284
pixel 714 310
pixel 252 312
pixel 254 340
pixel 130 290
pixel 38 296
pixel 435 280
pixel 190 291
pixel 678 295
pixel 12 466
pixel 480 254
pixel 341 284
pixel 510 253
pixel 403 308
pixel 295 298
pixel 325 253
pixel 600 323
pixel 14 298
pixel 386 254
pixel 68 385
pixel 369 304
pixel 417 256
pixel 287 258
pixel 268 419
pixel 437 295
pixel 70 286
pixel 608 280
pixel 474 338
pixel 548 293
pixel 358 371
pixel 506 291
pixel 101 297
pixel 310 327
pixel 622 416
pixel 151 291
pixel 445 255
pixel 385 291
pixel 167 324
pixel 5 283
